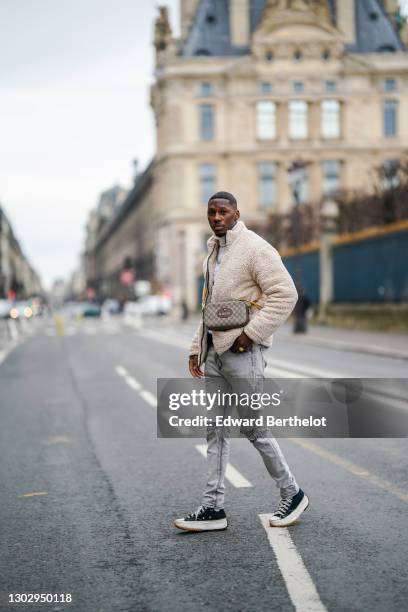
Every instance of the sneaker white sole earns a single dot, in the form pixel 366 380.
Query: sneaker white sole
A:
pixel 201 525
pixel 293 516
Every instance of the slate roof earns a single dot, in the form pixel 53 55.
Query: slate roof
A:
pixel 210 34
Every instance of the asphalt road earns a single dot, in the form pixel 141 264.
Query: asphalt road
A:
pixel 89 492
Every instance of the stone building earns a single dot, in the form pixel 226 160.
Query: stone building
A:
pixel 123 241
pixel 100 218
pixel 251 87
pixel 18 279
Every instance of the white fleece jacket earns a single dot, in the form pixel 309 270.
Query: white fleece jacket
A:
pixel 251 268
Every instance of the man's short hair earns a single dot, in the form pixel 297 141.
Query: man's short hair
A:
pixel 224 195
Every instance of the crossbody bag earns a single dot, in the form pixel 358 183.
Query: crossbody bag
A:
pixel 228 314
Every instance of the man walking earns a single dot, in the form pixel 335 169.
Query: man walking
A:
pixel 241 264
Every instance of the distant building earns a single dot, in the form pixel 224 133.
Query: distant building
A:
pixel 250 87
pixel 110 202
pixel 17 276
pixel 124 241
pixel 254 85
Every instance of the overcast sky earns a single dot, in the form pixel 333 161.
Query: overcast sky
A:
pixel 74 112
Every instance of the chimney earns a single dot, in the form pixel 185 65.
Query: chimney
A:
pixel 239 22
pixel 346 19
pixel 188 9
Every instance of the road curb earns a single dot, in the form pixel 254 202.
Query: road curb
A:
pixel 341 345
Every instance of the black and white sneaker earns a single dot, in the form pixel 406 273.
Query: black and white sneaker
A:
pixel 289 510
pixel 203 519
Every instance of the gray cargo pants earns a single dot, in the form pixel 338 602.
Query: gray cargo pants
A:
pixel 248 365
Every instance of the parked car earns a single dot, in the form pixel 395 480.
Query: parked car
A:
pixel 5 306
pixel 90 309
pixel 21 310
pixel 111 306
pixel 154 305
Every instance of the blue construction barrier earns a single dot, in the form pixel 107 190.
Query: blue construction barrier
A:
pixel 307 265
pixel 371 269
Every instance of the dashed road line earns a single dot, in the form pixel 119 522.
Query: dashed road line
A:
pixel 35 494
pixel 232 474
pixel 134 384
pixel 352 468
pixel 300 586
pixel 149 398
pixel 121 370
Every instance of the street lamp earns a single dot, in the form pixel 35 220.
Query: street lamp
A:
pixel 297 176
pixel 329 215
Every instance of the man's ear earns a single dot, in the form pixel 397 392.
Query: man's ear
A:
pixel 238 214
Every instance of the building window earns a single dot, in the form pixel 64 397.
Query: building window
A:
pixel 265 87
pixel 267 184
pixel 390 85
pixel 330 86
pixel 330 119
pixel 207 182
pixel 298 119
pixel 269 56
pixel 298 87
pixel 206 89
pixel 297 56
pixel 266 119
pixel 331 176
pixel 390 118
pixel 206 121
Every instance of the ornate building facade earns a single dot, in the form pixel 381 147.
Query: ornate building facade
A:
pixel 251 87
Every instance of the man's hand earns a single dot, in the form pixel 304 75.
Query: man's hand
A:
pixel 194 367
pixel 241 344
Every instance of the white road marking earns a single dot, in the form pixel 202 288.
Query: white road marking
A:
pixel 279 368
pixel 6 351
pixel 275 372
pixel 299 584
pixel 12 325
pixel 149 398
pixel 232 474
pixel 304 371
pixel 352 468
pixel 165 338
pixel 121 370
pixel 135 322
pixel 90 331
pixel 133 383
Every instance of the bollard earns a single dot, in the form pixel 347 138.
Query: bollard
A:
pixel 59 325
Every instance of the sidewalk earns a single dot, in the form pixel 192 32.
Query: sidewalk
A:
pixel 387 344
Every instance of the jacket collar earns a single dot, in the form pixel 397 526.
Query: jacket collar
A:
pixel 230 236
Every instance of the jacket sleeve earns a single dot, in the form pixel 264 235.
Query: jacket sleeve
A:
pixel 274 280
pixel 195 343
